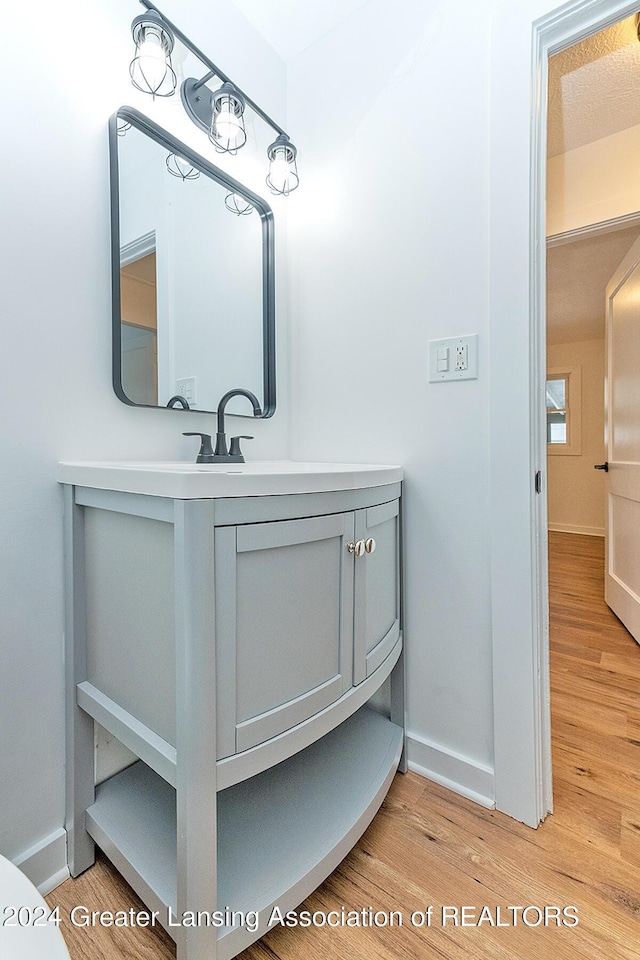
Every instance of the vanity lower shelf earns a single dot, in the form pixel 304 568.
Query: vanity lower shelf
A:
pixel 279 834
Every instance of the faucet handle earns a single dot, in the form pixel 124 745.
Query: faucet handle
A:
pixel 205 453
pixel 234 449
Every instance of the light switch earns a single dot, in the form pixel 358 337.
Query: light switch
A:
pixel 442 359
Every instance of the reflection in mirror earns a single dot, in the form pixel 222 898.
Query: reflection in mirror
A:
pixel 193 276
pixel 139 323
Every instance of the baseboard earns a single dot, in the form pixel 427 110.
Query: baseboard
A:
pixel 472 780
pixel 571 528
pixel 45 864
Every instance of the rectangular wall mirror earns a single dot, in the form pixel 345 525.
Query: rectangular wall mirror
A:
pixel 193 275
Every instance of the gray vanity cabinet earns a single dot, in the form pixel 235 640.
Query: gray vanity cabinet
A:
pixel 233 644
pixel 284 624
pixel 301 615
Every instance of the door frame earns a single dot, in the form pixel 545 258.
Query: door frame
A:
pixel 524 787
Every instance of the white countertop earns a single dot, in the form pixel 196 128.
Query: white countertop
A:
pixel 185 480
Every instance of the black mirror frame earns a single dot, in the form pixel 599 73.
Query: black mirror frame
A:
pixel 152 130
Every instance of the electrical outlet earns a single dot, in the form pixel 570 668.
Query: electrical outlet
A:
pixel 453 359
pixel 462 357
pixel 187 389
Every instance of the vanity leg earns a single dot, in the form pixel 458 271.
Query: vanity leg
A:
pixel 80 775
pixel 398 709
pixel 398 677
pixel 195 723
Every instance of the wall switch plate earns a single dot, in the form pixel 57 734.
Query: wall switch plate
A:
pixel 453 359
pixel 186 387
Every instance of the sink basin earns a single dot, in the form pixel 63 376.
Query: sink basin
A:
pixel 184 480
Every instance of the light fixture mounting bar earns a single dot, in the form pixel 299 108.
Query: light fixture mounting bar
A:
pixel 214 70
pixel 201 82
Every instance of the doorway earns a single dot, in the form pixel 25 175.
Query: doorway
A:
pixel 578 271
pixel 552 35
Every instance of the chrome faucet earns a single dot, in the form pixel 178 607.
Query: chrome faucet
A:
pixel 222 454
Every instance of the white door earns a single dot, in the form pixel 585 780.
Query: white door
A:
pixel 622 426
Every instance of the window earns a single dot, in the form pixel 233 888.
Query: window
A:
pixel 564 426
pixel 557 394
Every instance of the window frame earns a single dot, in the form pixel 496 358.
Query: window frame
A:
pixel 572 375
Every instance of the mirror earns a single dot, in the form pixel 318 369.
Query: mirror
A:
pixel 192 276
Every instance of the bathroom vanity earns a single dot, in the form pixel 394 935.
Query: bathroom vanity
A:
pixel 230 624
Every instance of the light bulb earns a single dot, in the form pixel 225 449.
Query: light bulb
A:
pixel 282 177
pixel 227 127
pixel 280 171
pixel 151 62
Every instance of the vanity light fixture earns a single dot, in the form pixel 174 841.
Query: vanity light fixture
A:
pixel 238 205
pixel 151 70
pixel 179 167
pixel 283 170
pixel 219 113
pixel 227 132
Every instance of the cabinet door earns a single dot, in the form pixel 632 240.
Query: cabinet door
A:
pixel 377 588
pixel 284 624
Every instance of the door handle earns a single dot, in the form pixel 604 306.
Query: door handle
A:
pixel 601 466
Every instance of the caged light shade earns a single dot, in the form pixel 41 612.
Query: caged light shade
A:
pixel 238 205
pixel 179 167
pixel 227 132
pixel 151 70
pixel 283 171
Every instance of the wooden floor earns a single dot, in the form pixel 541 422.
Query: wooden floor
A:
pixel 429 847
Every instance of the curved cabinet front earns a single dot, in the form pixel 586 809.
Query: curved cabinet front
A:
pixel 284 625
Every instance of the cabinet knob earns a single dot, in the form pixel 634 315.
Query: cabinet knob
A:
pixel 370 545
pixel 358 547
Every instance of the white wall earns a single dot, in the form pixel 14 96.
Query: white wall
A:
pixel 416 225
pixel 576 491
pixel 55 391
pixel 390 249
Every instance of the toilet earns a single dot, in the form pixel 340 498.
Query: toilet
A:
pixel 25 933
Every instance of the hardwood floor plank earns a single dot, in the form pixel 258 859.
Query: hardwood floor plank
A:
pixel 615 750
pixel 626 665
pixel 589 716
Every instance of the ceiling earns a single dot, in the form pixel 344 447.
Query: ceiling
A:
pixel 577 278
pixel 594 88
pixel 290 26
